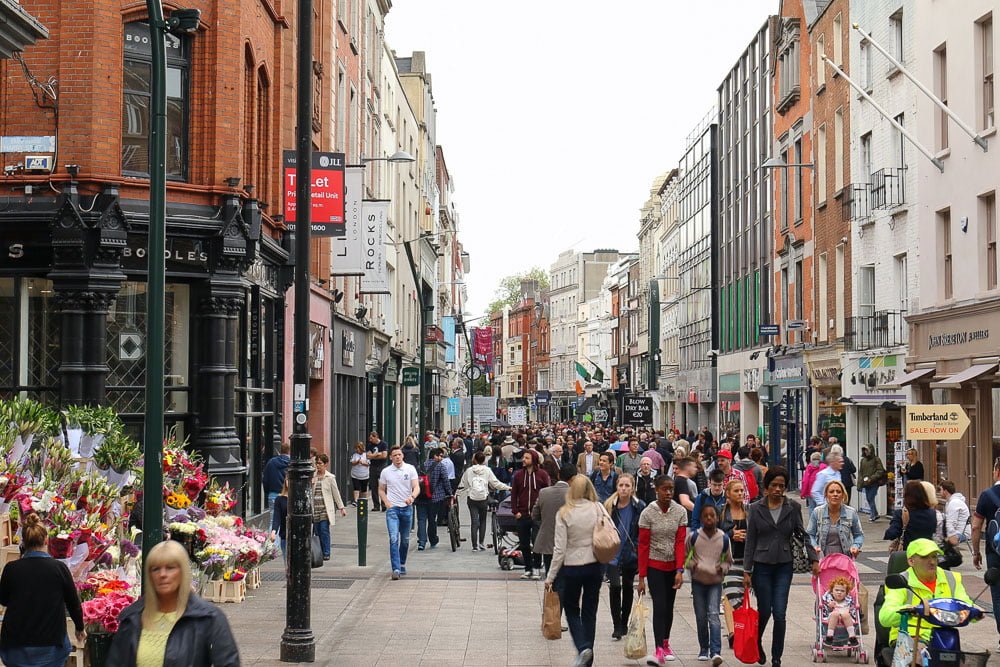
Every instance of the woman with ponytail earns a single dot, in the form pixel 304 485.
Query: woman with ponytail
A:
pixel 39 593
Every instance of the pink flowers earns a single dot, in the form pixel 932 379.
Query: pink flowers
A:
pixel 101 614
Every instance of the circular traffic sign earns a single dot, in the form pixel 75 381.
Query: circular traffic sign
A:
pixel 473 372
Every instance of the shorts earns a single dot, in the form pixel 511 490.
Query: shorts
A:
pixel 359 484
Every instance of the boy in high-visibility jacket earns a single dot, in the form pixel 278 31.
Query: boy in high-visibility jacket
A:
pixel 928 581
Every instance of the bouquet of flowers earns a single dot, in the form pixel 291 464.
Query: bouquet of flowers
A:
pixel 183 472
pixel 117 452
pixel 100 613
pixel 219 499
pixel 214 560
pixel 234 574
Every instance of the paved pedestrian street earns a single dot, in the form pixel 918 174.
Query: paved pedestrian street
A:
pixel 459 608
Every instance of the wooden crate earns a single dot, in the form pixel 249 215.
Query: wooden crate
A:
pixel 228 591
pixel 77 657
pixel 6 531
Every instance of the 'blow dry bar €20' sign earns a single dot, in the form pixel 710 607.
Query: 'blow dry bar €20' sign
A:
pixel 327 192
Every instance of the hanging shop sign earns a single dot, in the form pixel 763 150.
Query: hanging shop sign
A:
pixel 348 249
pixel 327 192
pixel 936 422
pixel 375 218
pixel 454 406
pixel 482 346
pixel 347 348
pixel 411 376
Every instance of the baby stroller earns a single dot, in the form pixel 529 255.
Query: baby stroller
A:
pixel 505 540
pixel 830 568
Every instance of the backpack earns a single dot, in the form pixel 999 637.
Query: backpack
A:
pixel 425 485
pixel 993 527
pixel 752 491
pixel 479 487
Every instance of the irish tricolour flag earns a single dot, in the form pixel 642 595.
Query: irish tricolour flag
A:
pixel 582 378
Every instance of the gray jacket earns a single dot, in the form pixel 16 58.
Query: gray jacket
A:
pixel 769 542
pixel 550 499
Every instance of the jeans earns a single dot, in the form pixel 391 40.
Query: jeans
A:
pixel 425 524
pixel 663 595
pixel 771 584
pixel 271 495
pixel 437 511
pixel 993 560
pixel 581 618
pixel 397 522
pixel 706 615
pixel 37 656
pixel 322 530
pixel 532 561
pixel 477 510
pixel 870 493
pixel 284 549
pixel 620 595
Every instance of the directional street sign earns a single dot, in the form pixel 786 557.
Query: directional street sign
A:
pixel 936 422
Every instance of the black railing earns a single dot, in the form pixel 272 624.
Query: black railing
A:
pixel 856 202
pixel 884 328
pixel 887 188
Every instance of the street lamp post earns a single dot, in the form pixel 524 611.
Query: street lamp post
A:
pixel 182 21
pixel 298 644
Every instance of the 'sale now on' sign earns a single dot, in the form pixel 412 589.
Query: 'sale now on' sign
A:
pixel 936 422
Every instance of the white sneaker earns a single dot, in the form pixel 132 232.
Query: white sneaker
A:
pixel 528 575
pixel 716 660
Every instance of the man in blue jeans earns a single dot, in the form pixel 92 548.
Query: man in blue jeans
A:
pixel 398 487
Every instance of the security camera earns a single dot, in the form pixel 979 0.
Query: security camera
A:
pixel 712 353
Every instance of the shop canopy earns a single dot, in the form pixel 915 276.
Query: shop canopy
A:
pixel 958 379
pixel 907 378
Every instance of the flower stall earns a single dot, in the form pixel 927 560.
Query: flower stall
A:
pixel 80 471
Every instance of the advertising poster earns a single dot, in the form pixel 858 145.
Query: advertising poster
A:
pixel 374 220
pixel 327 192
pixel 347 249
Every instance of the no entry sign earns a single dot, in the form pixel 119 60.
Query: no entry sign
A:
pixel 327 192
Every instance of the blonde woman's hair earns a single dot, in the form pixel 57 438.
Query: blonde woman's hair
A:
pixel 165 553
pixel 843 489
pixel 580 491
pixel 734 483
pixel 610 503
pixel 931 493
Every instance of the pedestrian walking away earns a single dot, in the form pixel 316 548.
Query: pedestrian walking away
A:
pixel 573 558
pixel 274 472
pixel 398 487
pixel 625 510
pixel 767 559
pixel 543 514
pixel 709 558
pixel 662 531
pixel 479 480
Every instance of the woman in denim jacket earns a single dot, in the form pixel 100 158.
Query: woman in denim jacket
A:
pixel 849 537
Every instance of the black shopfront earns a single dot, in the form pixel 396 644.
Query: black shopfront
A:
pixel 73 330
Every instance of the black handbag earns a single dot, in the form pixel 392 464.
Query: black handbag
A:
pixel 316 551
pixel 951 557
pixel 800 557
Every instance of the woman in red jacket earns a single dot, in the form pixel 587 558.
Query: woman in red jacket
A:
pixel 662 531
pixel 524 488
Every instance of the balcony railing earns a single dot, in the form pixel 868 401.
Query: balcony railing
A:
pixel 856 202
pixel 887 188
pixel 884 328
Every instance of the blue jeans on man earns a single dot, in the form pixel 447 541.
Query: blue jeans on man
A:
pixel 870 493
pixel 706 613
pixel 993 560
pixel 322 530
pixel 772 584
pixel 397 522
pixel 426 526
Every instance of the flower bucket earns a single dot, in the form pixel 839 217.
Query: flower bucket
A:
pixel 98 647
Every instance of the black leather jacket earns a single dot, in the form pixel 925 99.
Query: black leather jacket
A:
pixel 200 638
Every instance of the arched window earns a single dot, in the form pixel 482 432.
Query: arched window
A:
pixel 137 100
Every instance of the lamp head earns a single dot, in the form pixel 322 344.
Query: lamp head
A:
pixel 184 21
pixel 401 156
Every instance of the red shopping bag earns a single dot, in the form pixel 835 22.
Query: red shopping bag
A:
pixel 745 623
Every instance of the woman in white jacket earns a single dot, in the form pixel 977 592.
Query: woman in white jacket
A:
pixel 573 557
pixel 478 480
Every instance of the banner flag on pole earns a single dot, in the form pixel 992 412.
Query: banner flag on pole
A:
pixel 582 378
pixel 347 249
pixel 375 220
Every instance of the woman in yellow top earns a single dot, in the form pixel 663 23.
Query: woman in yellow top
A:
pixel 170 625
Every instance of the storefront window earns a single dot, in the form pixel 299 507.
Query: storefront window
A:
pixel 29 340
pixel 126 352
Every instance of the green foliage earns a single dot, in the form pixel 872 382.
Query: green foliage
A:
pixel 29 417
pixel 508 292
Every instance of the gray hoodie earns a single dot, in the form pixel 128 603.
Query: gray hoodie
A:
pixel 748 467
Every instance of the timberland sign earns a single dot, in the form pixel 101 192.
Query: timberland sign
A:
pixel 935 422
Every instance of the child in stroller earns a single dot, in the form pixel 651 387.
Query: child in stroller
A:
pixel 838 611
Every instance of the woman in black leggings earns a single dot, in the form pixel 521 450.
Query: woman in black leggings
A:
pixel 662 530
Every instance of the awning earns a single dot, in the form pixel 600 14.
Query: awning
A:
pixel 907 378
pixel 958 379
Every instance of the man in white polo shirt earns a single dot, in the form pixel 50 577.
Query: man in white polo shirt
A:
pixel 398 487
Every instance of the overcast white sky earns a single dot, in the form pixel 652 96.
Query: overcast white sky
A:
pixel 556 116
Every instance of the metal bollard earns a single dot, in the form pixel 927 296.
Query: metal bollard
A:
pixel 362 531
